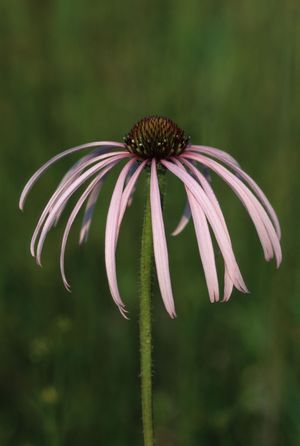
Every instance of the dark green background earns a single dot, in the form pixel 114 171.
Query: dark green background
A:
pixel 74 71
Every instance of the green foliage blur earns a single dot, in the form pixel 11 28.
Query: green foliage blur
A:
pixel 75 71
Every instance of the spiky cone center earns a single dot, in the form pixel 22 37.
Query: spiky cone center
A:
pixel 156 137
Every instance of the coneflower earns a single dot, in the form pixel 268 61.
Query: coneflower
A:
pixel 157 144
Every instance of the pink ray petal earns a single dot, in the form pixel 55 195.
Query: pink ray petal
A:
pixel 209 192
pixel 59 192
pixel 128 190
pixel 214 221
pixel 94 183
pixel 260 194
pixel 89 211
pixel 184 220
pixel 228 284
pixel 110 146
pixel 261 230
pixel 130 200
pixel 79 168
pixel 87 218
pixel 66 195
pixel 264 227
pixel 205 245
pixel 61 188
pixel 111 234
pixel 74 173
pixel 186 216
pixel 160 244
pixel 130 173
pixel 82 161
pixel 262 198
pixel 217 153
pixel 229 161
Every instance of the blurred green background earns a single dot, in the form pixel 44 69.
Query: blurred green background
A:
pixel 76 71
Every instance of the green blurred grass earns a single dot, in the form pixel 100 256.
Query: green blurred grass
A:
pixel 73 72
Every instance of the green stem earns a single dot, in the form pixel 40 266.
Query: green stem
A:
pixel 146 265
pixel 145 322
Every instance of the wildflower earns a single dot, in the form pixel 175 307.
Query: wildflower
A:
pixel 158 142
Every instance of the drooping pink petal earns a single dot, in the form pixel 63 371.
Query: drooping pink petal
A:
pixel 90 206
pixel 87 161
pixel 262 198
pixel 77 171
pixel 93 184
pixel 67 194
pixel 111 235
pixel 55 198
pixel 217 153
pixel 89 211
pixel 214 221
pixel 160 244
pixel 127 193
pixel 81 162
pixel 74 173
pixel 228 284
pixel 265 230
pixel 231 162
pixel 266 244
pixel 110 145
pixel 130 200
pixel 205 245
pixel 186 216
pixel 130 173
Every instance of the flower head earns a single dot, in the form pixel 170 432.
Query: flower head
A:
pixel 156 137
pixel 153 142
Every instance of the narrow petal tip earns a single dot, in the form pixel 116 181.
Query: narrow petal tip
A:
pixel 81 240
pixel 67 285
pixel 171 311
pixel 242 289
pixel 21 202
pixel 83 237
pixel 213 298
pixel 123 312
pixel 245 290
pixel 216 298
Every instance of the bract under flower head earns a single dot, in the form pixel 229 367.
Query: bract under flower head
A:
pixel 156 137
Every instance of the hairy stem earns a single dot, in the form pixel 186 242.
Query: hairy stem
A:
pixel 145 322
pixel 146 266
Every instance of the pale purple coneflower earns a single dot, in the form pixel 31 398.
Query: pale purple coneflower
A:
pixel 157 142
